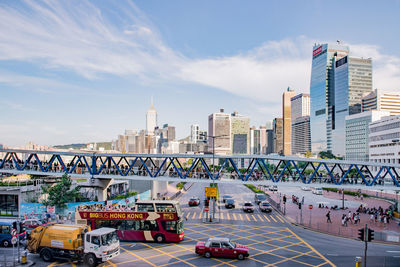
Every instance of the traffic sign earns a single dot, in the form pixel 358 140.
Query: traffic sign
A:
pixel 211 192
pixel 14 232
pixel 14 240
pixel 310 207
pixel 206 209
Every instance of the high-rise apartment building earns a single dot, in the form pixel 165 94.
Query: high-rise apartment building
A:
pixel 194 133
pixel 270 142
pixel 240 133
pixel 382 100
pixel 322 94
pixel 287 121
pixel 278 135
pixel 353 79
pixel 357 134
pixel 219 129
pixel 300 119
pixel 151 119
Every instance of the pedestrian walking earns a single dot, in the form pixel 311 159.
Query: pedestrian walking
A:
pixel 349 217
pixel 328 217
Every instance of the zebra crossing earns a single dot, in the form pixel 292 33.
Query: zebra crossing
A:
pixel 252 217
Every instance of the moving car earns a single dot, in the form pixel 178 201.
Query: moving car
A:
pixel 265 206
pixel 305 188
pixel 221 247
pixel 230 203
pixel 248 207
pixel 273 188
pixel 258 198
pixel 318 191
pixel 33 223
pixel 225 197
pixel 194 201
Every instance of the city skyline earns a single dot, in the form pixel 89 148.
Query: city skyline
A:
pixel 73 73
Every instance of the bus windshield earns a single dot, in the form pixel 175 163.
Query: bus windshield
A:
pixel 109 239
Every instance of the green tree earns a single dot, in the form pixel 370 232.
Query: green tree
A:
pixel 60 193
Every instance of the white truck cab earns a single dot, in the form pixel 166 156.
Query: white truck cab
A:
pixel 100 245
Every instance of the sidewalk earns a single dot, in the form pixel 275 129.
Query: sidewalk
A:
pixel 316 218
pixel 173 192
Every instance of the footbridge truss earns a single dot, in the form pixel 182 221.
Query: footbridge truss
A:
pixel 250 169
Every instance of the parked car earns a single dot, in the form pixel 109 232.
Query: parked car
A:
pixel 248 207
pixel 258 198
pixel 318 191
pixel 273 188
pixel 230 203
pixel 225 197
pixel 221 247
pixel 194 201
pixel 265 206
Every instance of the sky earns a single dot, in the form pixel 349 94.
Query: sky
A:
pixel 84 71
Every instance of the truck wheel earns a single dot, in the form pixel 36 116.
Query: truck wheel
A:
pixel 46 254
pixel 160 238
pixel 5 243
pixel 91 260
pixel 207 254
pixel 240 256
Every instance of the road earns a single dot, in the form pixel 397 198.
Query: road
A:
pixel 272 240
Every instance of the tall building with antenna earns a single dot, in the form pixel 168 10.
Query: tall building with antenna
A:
pixel 151 118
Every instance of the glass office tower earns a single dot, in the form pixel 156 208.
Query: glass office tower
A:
pixel 322 86
pixel 353 79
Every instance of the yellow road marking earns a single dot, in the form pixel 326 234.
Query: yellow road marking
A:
pixel 109 262
pixel 234 216
pixel 247 217
pixel 200 215
pixel 261 219
pixel 279 219
pixel 267 218
pixel 240 215
pixel 227 215
pixel 272 217
pixel 254 218
pixel 168 254
pixel 194 215
pixel 313 249
pixel 283 218
pixel 187 215
pixel 222 215
pixel 137 256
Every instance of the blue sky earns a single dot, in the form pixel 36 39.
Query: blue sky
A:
pixel 78 71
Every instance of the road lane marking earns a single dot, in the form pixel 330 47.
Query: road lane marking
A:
pixel 222 215
pixel 194 215
pixel 187 215
pixel 272 217
pixel 227 215
pixel 139 257
pixel 261 219
pixel 313 249
pixel 234 216
pixel 283 218
pixel 268 220
pixel 240 215
pixel 247 217
pixel 200 215
pixel 168 254
pixel 279 219
pixel 393 251
pixel 254 218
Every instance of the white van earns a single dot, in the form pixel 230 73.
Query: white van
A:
pixel 318 191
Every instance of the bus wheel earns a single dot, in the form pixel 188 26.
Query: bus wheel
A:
pixel 160 238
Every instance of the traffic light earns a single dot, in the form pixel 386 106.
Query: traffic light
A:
pixel 21 228
pixel 14 224
pixel 370 235
pixel 361 234
pixel 299 205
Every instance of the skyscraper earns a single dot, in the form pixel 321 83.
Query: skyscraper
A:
pixel 278 136
pixel 322 94
pixel 151 119
pixel 301 124
pixel 353 79
pixel 219 129
pixel 240 133
pixel 287 124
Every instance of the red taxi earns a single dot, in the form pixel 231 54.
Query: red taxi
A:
pixel 221 247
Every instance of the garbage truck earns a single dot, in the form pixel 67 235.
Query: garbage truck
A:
pixel 74 242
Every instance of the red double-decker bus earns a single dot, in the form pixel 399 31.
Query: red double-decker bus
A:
pixel 158 220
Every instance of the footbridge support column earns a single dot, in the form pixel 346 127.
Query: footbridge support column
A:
pixel 101 185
